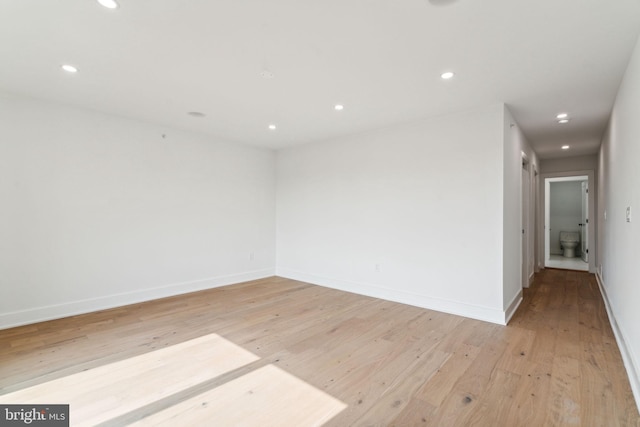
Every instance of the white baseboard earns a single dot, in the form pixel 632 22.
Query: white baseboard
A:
pixel 627 357
pixel 41 314
pixel 477 312
pixel 513 306
pixel 531 278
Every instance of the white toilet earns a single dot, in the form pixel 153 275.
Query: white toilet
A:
pixel 569 241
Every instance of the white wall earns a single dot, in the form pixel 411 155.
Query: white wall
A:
pixel 98 211
pixel 618 240
pixel 565 211
pixel 568 164
pixel 515 145
pixel 411 213
pixel 101 211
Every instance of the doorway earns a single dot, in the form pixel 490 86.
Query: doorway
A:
pixel 526 186
pixel 584 229
pixel 566 221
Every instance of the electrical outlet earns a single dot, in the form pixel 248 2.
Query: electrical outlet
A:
pixel 377 268
pixel 251 256
pixel 628 213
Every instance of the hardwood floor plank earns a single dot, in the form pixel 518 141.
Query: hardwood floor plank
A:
pixel 108 391
pixel 401 390
pixel 415 413
pixel 565 400
pixel 532 396
pixel 322 356
pixel 493 410
pixel 267 396
pixel 436 388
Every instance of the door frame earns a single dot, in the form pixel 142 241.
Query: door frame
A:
pixel 525 221
pixel 584 228
pixel 543 235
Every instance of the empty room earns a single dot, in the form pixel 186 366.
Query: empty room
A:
pixel 338 213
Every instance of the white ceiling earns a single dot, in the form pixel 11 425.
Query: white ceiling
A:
pixel 156 60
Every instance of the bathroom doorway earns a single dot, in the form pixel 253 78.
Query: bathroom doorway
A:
pixel 567 222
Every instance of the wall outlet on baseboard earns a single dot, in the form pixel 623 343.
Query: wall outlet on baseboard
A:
pixel 377 267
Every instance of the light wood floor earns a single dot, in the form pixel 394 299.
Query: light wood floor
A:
pixel 281 352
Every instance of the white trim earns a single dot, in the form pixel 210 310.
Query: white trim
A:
pixel 41 314
pixel 477 312
pixel 531 278
pixel 513 306
pixel 559 176
pixel 627 357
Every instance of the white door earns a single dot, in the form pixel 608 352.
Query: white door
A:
pixel 547 221
pixel 525 226
pixel 584 232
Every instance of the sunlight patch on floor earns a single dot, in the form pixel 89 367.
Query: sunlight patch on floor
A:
pixel 267 396
pixel 102 393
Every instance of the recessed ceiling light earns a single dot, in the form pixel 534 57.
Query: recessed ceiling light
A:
pixel 109 4
pixel 272 127
pixel 447 75
pixel 562 116
pixel 565 147
pixel 563 121
pixel 196 114
pixel 69 68
pixel 339 107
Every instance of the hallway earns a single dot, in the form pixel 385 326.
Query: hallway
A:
pixel 574 339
